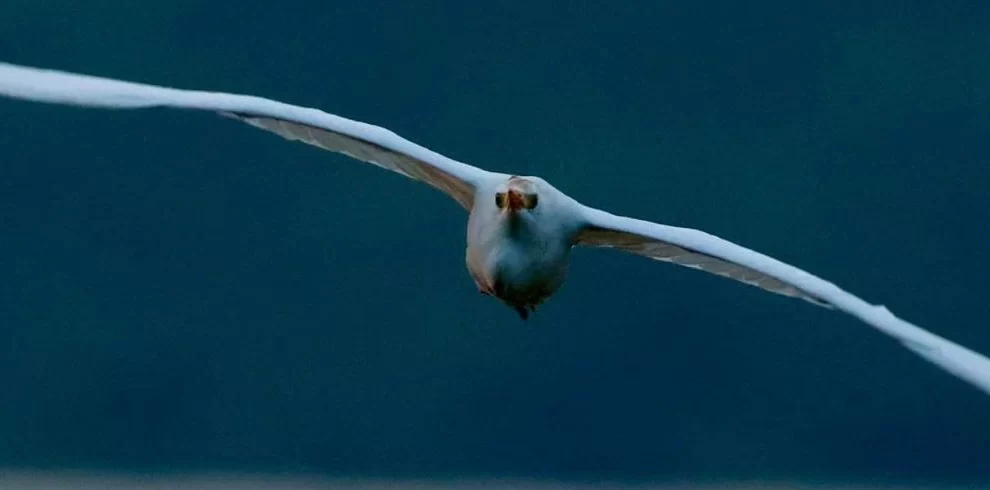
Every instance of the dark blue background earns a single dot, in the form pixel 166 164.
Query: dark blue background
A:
pixel 180 291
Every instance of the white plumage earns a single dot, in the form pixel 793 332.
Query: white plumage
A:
pixel 520 229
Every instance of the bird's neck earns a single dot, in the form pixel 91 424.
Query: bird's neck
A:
pixel 518 226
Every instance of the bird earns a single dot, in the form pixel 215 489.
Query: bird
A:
pixel 520 228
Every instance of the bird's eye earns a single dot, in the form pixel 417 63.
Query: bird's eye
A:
pixel 500 199
pixel 534 199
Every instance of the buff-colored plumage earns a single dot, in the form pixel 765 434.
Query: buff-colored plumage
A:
pixel 520 229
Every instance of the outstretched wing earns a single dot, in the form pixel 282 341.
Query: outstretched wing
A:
pixel 353 138
pixel 699 250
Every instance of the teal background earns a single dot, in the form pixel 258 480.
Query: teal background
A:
pixel 178 291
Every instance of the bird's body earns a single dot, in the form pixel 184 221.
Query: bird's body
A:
pixel 520 229
pixel 520 256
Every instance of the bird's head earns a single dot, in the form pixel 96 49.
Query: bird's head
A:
pixel 517 194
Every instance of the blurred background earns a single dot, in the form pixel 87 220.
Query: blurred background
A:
pixel 181 294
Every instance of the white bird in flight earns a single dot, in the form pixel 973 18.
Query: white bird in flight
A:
pixel 520 229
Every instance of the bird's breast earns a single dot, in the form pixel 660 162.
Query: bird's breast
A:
pixel 519 272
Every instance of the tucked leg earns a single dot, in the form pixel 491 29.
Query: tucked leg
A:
pixel 522 312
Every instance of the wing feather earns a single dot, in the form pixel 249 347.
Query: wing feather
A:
pixel 699 250
pixel 358 140
pixel 601 235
